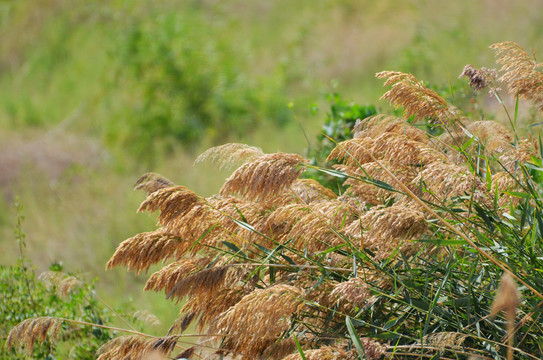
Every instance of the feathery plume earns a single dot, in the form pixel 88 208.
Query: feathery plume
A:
pixel 503 182
pixel 395 148
pixel 416 99
pixel 507 299
pixel 280 349
pixel 265 177
pixel 64 284
pixel 147 317
pixel 211 308
pixel 257 321
pixel 448 181
pixel 203 282
pixel 323 353
pixel 143 250
pixel 28 331
pixel 355 291
pixel 386 228
pixel 480 78
pixel 171 201
pixel 230 156
pixel 151 182
pixel 134 347
pixel 376 125
pixel 443 340
pixel 309 190
pixel 522 74
pixel 319 228
pixel 368 191
pixel 167 277
pixel 523 152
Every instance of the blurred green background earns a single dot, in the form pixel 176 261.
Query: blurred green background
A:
pixel 94 93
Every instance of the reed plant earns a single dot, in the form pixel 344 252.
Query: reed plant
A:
pixel 438 230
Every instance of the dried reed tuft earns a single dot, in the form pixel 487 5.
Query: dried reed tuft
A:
pixel 416 99
pixel 212 307
pixel 522 73
pixel 64 284
pixel 522 153
pixel 480 78
pixel 368 192
pixel 265 177
pixel 445 182
pixel 280 349
pixel 147 317
pixel 387 228
pixel 201 284
pixel 323 353
pixel 167 277
pixel 394 148
pixel 257 321
pixel 504 183
pixel 319 228
pixel 444 340
pixel 375 126
pixel 309 190
pixel 136 347
pixel 230 155
pixel 143 250
pixel 151 182
pixel 355 291
pixel 507 298
pixel 28 331
pixel 171 202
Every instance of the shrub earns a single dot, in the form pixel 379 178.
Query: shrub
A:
pixel 54 294
pixel 433 237
pixel 188 85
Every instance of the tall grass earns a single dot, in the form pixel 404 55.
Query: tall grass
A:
pixel 437 232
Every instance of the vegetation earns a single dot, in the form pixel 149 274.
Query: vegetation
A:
pixel 54 294
pixel 437 232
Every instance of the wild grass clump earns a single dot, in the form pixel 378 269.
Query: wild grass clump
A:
pixel 437 230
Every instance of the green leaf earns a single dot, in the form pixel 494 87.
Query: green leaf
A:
pixel 444 242
pixel 300 350
pixel 234 248
pixel 355 338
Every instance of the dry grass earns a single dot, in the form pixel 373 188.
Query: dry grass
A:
pixel 274 257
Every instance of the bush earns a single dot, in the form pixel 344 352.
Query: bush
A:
pixel 55 295
pixel 188 85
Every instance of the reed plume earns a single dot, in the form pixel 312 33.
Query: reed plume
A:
pixel 257 321
pixel 265 177
pixel 522 73
pixel 143 250
pixel 28 331
pixel 391 147
pixel 135 347
pixel 231 155
pixel 416 99
pixel 376 125
pixel 64 284
pixel 480 78
pixel 151 182
pixel 507 299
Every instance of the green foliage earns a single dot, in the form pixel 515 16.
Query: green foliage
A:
pixel 25 296
pixel 187 86
pixel 337 127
